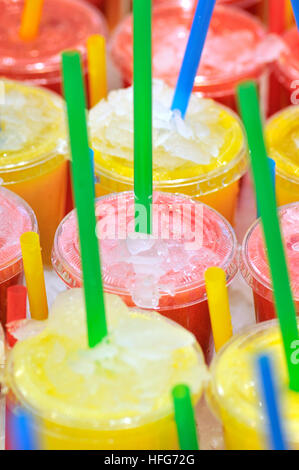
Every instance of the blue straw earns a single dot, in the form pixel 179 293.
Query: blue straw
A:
pixel 192 56
pixel 272 165
pixel 271 403
pixel 21 431
pixel 91 156
pixel 295 6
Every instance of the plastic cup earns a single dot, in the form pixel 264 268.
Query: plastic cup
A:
pixel 65 24
pixel 33 154
pixel 203 156
pixel 281 134
pixel 84 399
pixel 169 276
pixel 234 392
pixel 16 218
pixel 254 264
pixel 232 52
pixel 286 72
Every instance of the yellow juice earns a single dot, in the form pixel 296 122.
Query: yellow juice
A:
pixel 203 156
pixel 234 390
pixel 116 395
pixel 33 157
pixel 282 134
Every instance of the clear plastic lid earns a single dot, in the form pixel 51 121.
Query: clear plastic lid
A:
pixel 162 272
pixel 233 392
pixel 282 134
pixel 16 217
pixel 233 50
pixel 287 65
pixel 65 24
pixel 254 263
pixel 32 127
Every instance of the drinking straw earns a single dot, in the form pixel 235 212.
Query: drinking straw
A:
pixel 276 16
pixel 34 275
pixel 295 6
pixel 143 167
pixel 271 403
pixel 97 69
pixel 21 436
pixel 16 308
pixel 285 307
pixel 184 418
pixel 272 165
pixel 84 197
pixel 198 34
pixel 31 19
pixel 218 306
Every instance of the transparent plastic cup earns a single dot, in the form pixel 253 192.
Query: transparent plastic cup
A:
pixel 231 52
pixel 167 278
pixel 65 24
pixel 34 154
pixel 254 264
pixel 234 389
pixel 119 403
pixel 207 165
pixel 286 72
pixel 282 130
pixel 16 217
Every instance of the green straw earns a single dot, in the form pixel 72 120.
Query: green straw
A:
pixel 285 307
pixel 184 417
pixel 84 197
pixel 143 167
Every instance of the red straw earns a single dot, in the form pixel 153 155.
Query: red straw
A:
pixel 16 308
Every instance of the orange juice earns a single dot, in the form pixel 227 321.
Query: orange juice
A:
pixel 203 156
pixel 33 153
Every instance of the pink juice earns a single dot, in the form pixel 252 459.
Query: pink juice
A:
pixel 163 273
pixel 254 264
pixel 65 24
pixel 16 217
pixel 236 49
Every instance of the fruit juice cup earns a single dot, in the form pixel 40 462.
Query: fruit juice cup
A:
pixel 165 273
pixel 234 389
pixel 282 135
pixel 235 50
pixel 116 395
pixel 65 24
pixel 254 264
pixel 203 156
pixel 16 217
pixel 2 402
pixel 33 154
pixel 286 72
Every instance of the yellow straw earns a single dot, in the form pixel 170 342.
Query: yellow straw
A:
pixel 31 18
pixel 97 70
pixel 34 275
pixel 218 306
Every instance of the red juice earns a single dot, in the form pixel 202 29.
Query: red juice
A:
pixel 164 272
pixel 16 217
pixel 254 264
pixel 65 24
pixel 236 49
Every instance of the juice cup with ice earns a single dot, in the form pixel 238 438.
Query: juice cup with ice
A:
pixel 234 391
pixel 65 24
pixel 203 156
pixel 33 153
pixel 234 51
pixel 254 264
pixel 282 135
pixel 286 71
pixel 116 395
pixel 16 217
pixel 164 273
